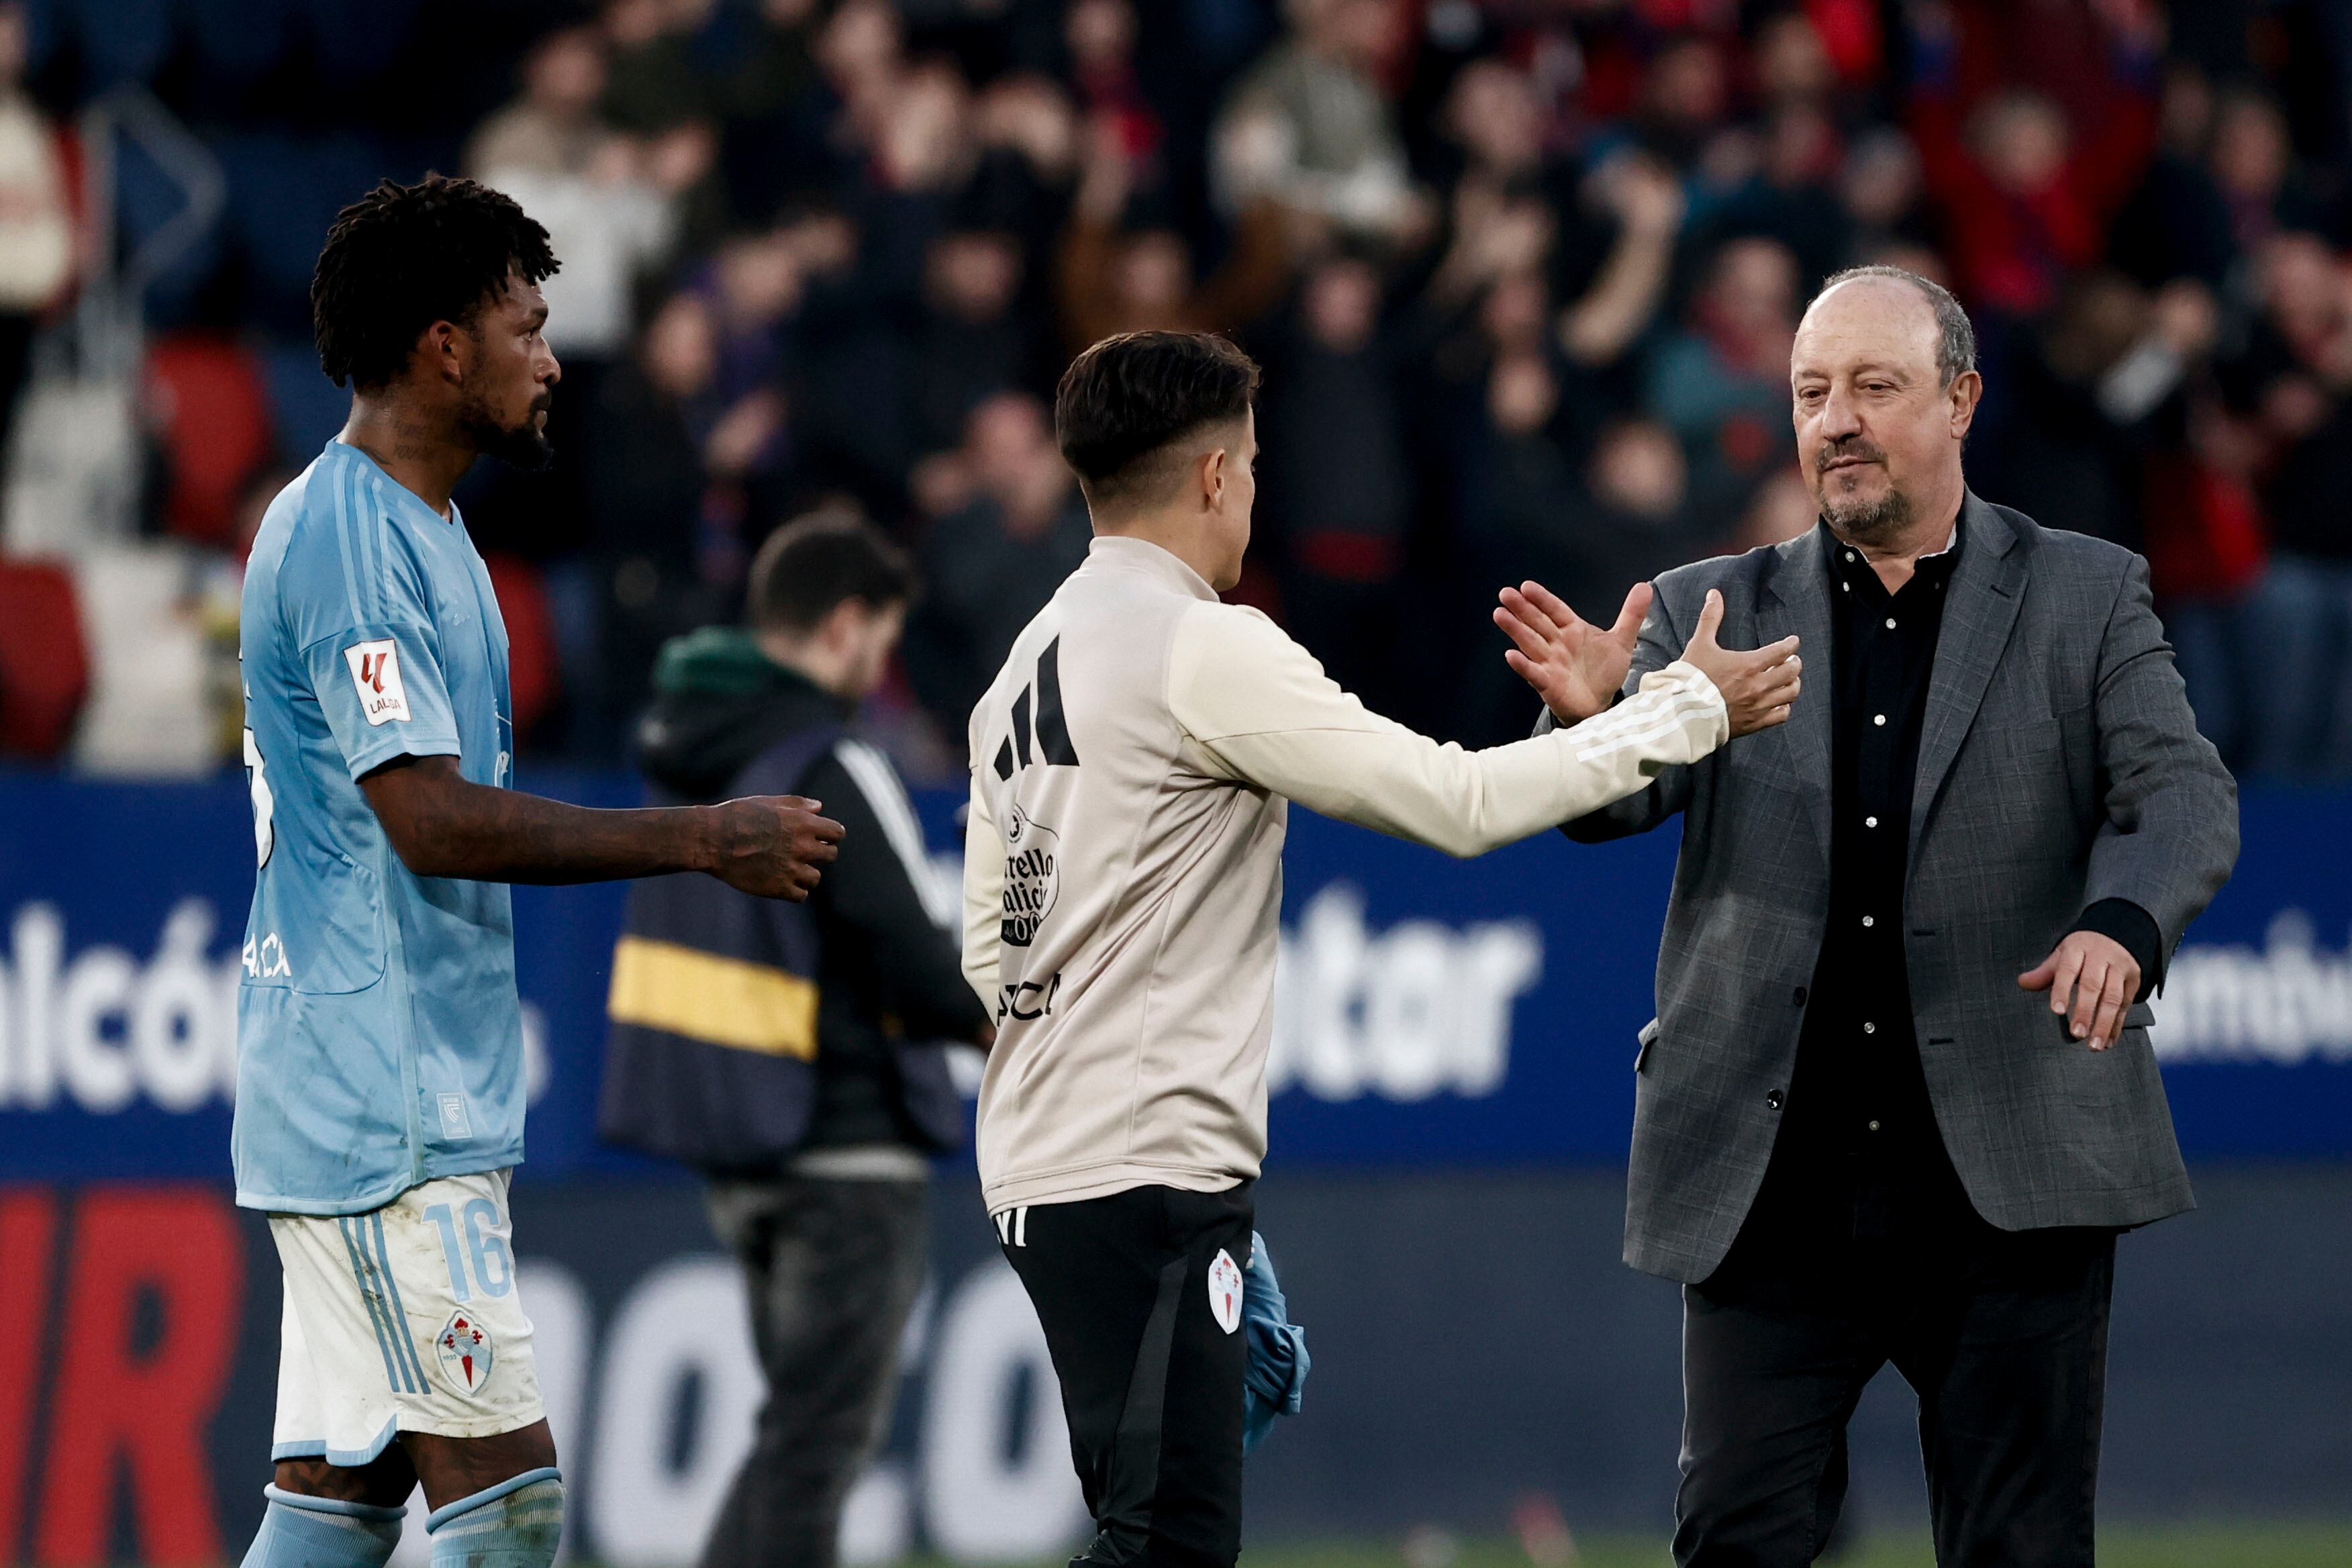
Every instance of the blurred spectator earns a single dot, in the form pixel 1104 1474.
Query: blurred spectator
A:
pixel 657 92
pixel 1336 487
pixel 973 341
pixel 662 533
pixel 605 202
pixel 908 143
pixel 754 286
pixel 553 128
pixel 2092 397
pixel 1722 384
pixel 1112 281
pixel 1029 138
pixel 1793 68
pixel 1010 527
pixel 1493 119
pixel 2253 166
pixel 1588 534
pixel 1790 194
pixel 2178 222
pixel 1101 35
pixel 2024 195
pixel 1880 186
pixel 1309 127
pixel 1616 304
pixel 2292 387
pixel 1524 517
pixel 1642 520
pixel 1505 214
pixel 655 83
pixel 2205 553
pixel 772 69
pixel 1613 258
pixel 36 230
pixel 804 101
pixel 1684 97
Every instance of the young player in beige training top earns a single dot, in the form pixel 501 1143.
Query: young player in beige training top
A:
pixel 1132 766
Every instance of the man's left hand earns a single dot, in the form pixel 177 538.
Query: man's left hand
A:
pixel 2094 978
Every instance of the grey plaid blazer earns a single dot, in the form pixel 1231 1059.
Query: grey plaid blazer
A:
pixel 2059 765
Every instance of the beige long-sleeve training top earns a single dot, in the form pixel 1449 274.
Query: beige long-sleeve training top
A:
pixel 1131 766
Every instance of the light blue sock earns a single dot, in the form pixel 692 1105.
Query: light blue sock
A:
pixel 299 1532
pixel 515 1524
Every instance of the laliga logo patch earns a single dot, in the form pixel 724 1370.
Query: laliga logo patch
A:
pixel 375 676
pixel 1225 1291
pixel 1032 878
pixel 465 1352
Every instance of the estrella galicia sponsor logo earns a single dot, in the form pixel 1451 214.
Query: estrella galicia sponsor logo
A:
pixel 1031 877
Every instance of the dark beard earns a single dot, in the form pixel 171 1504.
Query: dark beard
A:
pixel 1870 522
pixel 524 446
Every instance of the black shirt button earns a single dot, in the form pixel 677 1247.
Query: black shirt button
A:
pixel 1773 1099
pixel 1798 996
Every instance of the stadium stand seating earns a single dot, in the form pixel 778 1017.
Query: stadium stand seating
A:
pixel 44 670
pixel 206 397
pixel 147 713
pixel 534 670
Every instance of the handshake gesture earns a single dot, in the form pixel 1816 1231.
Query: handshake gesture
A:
pixel 1578 668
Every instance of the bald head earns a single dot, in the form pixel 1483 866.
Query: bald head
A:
pixel 1884 387
pixel 1956 337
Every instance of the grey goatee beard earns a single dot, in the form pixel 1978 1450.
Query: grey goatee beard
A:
pixel 1870 521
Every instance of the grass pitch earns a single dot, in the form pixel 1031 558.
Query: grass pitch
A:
pixel 2314 1545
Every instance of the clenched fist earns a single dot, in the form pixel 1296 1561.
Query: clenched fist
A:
pixel 771 845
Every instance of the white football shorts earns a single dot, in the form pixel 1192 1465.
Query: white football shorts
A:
pixel 405 1320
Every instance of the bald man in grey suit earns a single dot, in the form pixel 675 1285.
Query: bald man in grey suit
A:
pixel 1899 1097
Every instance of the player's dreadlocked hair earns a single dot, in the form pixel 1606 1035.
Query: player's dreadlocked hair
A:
pixel 404 256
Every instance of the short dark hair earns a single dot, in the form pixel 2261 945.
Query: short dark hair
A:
pixel 1956 340
pixel 1128 399
pixel 404 256
pixel 815 563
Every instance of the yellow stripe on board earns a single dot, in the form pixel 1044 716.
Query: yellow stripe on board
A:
pixel 725 1001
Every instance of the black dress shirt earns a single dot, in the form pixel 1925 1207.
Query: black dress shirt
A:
pixel 1859 1155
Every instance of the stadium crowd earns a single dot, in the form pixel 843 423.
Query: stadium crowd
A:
pixel 1524 275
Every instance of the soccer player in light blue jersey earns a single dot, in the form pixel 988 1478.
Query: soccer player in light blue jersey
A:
pixel 380 1086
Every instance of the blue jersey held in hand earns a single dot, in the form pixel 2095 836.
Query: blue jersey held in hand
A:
pixel 379 1033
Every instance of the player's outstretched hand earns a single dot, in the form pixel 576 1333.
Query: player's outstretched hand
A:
pixel 1758 688
pixel 1575 666
pixel 773 845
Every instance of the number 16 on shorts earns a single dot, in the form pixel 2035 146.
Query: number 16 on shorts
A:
pixel 403 1320
pixel 464 1345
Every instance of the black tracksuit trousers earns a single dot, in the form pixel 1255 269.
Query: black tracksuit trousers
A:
pixel 1139 1294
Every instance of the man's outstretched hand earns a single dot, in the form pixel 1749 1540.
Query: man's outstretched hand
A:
pixel 1759 687
pixel 775 846
pixel 1575 666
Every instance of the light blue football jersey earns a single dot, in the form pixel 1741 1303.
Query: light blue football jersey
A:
pixel 378 1033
